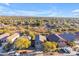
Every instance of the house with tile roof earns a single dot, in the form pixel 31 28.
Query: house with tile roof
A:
pixel 13 37
pixel 4 36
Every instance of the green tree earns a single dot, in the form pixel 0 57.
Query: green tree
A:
pixel 32 35
pixel 72 43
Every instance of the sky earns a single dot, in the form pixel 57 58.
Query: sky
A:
pixel 40 9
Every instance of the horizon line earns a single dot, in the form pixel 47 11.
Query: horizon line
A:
pixel 40 16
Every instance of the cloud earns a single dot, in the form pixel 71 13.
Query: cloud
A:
pixel 48 13
pixel 6 11
pixel 75 12
pixel 5 4
pixel 8 4
pixel 32 13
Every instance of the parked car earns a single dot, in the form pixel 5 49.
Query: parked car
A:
pixel 64 51
pixel 17 54
pixel 77 54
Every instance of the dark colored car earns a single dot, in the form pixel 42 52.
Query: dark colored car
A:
pixel 67 50
pixel 64 51
pixel 77 54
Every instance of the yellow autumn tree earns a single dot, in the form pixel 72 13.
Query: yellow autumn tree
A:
pixel 50 46
pixel 1 31
pixel 22 43
pixel 6 30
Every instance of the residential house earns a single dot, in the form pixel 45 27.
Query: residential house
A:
pixel 29 37
pixel 77 38
pixel 56 38
pixel 4 36
pixel 39 39
pixel 2 25
pixel 40 29
pixel 77 35
pixel 13 37
pixel 68 36
pixel 50 26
